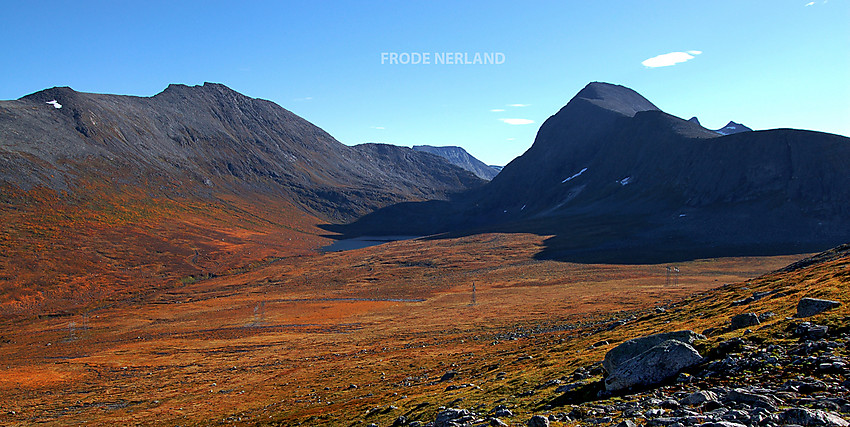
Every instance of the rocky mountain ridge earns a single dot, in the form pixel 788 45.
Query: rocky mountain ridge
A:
pixel 460 157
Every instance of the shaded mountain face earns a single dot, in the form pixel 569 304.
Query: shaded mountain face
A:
pixel 613 178
pixel 206 139
pixel 461 158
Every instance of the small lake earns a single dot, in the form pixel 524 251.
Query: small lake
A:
pixel 363 242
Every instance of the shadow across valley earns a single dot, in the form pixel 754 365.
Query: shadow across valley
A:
pixel 608 236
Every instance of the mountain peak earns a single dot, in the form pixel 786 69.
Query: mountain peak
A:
pixel 57 92
pixel 616 98
pixel 732 128
pixel 206 87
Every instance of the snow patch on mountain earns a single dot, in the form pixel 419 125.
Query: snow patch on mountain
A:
pixel 574 176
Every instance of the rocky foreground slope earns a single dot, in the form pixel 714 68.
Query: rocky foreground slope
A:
pixel 783 360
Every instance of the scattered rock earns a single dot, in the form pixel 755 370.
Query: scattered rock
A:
pixel 811 331
pixel 503 413
pixel 812 417
pixel 811 306
pixel 654 413
pixel 699 397
pixel 452 416
pixel 448 375
pixel 657 364
pixel 627 423
pixel 744 320
pixel 538 421
pixel 739 395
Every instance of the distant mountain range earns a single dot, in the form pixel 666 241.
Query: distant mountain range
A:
pixel 610 176
pixel 613 178
pixel 459 157
pixel 729 129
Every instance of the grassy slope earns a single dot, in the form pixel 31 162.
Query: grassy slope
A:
pixel 62 253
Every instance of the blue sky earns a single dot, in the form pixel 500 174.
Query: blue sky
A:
pixel 767 64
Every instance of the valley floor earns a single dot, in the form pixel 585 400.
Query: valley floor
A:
pixel 340 338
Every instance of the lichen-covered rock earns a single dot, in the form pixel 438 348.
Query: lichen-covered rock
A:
pixel 633 347
pixel 653 366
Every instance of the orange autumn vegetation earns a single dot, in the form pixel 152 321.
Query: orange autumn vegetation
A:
pixel 364 335
pixel 63 253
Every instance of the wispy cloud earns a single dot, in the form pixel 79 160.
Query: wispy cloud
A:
pixel 307 98
pixel 518 105
pixel 669 59
pixel 497 110
pixel 517 121
pixel 811 3
pixel 377 127
pixel 511 139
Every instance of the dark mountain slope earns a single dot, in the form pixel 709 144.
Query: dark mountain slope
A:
pixel 612 178
pixel 460 157
pixel 206 138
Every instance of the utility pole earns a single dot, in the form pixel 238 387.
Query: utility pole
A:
pixel 473 293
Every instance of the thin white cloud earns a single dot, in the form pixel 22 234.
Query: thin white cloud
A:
pixel 517 121
pixel 497 110
pixel 669 59
pixel 518 105
pixel 511 139
pixel 811 3
pixel 377 127
pixel 308 98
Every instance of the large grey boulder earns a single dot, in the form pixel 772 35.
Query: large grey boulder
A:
pixel 634 347
pixel 655 365
pixel 811 306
